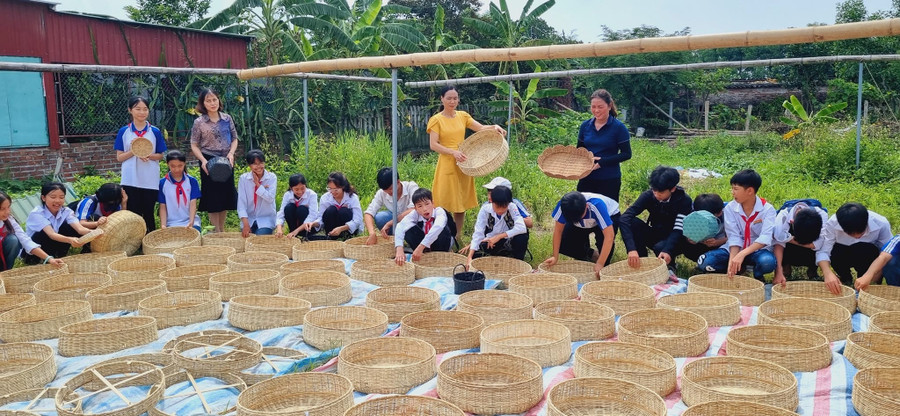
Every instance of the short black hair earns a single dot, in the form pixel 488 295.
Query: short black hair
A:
pixel 109 193
pixel 572 206
pixel 807 226
pixel 175 155
pixel 385 178
pixel 747 178
pixel 421 194
pixel 711 203
pixel 853 217
pixel 252 156
pixel 501 196
pixel 296 179
pixel 664 178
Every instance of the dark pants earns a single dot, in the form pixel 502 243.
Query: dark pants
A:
pixel 646 236
pixel 508 247
pixel 606 187
pixel 9 250
pixel 143 202
pixel 334 217
pixel 576 241
pixel 51 246
pixel 858 256
pixel 295 216
pixel 692 251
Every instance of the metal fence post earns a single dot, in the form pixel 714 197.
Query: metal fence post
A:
pixel 509 117
pixel 859 112
pixel 306 121
pixel 247 115
pixel 395 130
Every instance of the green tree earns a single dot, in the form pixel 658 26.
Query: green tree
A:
pixel 505 32
pixel 425 11
pixel 178 13
pixel 376 29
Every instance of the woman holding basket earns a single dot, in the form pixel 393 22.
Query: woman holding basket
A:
pixel 608 139
pixel 214 135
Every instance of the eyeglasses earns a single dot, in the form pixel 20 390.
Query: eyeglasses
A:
pixel 332 190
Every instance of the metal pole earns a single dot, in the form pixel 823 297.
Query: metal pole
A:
pixel 859 112
pixel 671 112
pixel 306 123
pixel 247 122
pixel 395 130
pixel 509 117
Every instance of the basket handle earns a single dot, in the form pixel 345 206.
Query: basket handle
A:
pixel 458 265
pixel 476 272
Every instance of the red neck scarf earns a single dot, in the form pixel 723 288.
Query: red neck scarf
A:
pixel 179 189
pixel 428 224
pixel 747 222
pixel 142 132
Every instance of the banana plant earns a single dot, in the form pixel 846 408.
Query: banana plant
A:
pixel 525 107
pixel 803 119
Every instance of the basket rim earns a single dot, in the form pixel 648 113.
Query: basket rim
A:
pixel 667 313
pixel 135 322
pixel 326 309
pixel 148 284
pixel 820 302
pixel 102 277
pixel 242 301
pixel 150 303
pixel 809 333
pixel 505 294
pixel 393 397
pixel 662 355
pixel 415 289
pixel 590 305
pixel 564 331
pixel 588 288
pixel 863 377
pixel 222 278
pixel 316 274
pixel 165 274
pixel 297 378
pixel 612 382
pixel 523 280
pixel 756 362
pixel 705 277
pixel 68 307
pixel 349 348
pixel 665 301
pixel 448 332
pixel 575 152
pixel 846 291
pixel 476 357
pixel 162 235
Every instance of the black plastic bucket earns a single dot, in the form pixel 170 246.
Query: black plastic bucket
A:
pixel 467 281
pixel 219 169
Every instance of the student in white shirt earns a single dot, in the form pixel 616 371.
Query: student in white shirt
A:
pixel 853 239
pixel 578 215
pixel 427 228
pixel 140 175
pixel 52 225
pixel 499 230
pixel 178 194
pixel 374 217
pixel 340 214
pixel 256 196
pixel 797 236
pixel 93 210
pixel 501 181
pixel 299 208
pixel 13 239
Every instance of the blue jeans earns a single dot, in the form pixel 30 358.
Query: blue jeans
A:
pixel 10 249
pixel 260 231
pixel 891 272
pixel 382 218
pixel 716 261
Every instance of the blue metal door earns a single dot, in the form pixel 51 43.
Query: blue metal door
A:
pixel 23 111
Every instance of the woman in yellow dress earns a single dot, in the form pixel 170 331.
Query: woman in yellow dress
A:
pixel 452 189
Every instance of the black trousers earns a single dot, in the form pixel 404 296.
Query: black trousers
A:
pixel 607 187
pixel 334 217
pixel 576 241
pixel 415 235
pixel 692 251
pixel 795 255
pixel 295 216
pixel 51 246
pixel 858 256
pixel 508 247
pixel 143 202
pixel 646 236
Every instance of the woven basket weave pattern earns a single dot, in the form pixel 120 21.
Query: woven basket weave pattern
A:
pixel 252 375
pixel 397 302
pixel 191 277
pixel 255 312
pixel 25 366
pixel 12 301
pixel 93 262
pixel 751 292
pixel 816 290
pixel 320 288
pixel 123 231
pixel 42 321
pixel 246 282
pixel 337 326
pixel 309 265
pixel 603 396
pixel 105 336
pixel 123 296
pixel 216 353
pixel 438 264
pixel 718 309
pixel 270 243
pixel 875 391
pixel 485 151
pixel 586 321
pixel 399 405
pixel 256 260
pixel 132 269
pixel 828 318
pixel 69 286
pixel 542 287
pixel 167 240
pixel 357 249
pixel 581 270
pixel 22 279
pixel 544 342
pixel 621 296
pixel 651 272
pixel 795 349
pixel 496 305
pixel 490 383
pixel 444 330
pixel 201 255
pixel 318 250
pixel 319 394
pixel 679 333
pixel 233 239
pixel 735 407
pixel 646 366
pixel 66 397
pixel 182 308
pixel 872 349
pixel 738 378
pixel 387 365
pixel 383 272
pixel 879 298
pixel 501 268
pixel 566 162
pixel 880 322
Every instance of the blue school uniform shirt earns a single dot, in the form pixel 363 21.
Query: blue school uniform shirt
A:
pixel 605 143
pixel 178 203
pixel 135 172
pixel 600 209
pixel 91 207
pixel 893 246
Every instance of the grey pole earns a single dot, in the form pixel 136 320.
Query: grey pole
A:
pixel 859 112
pixel 247 118
pixel 306 123
pixel 395 130
pixel 509 117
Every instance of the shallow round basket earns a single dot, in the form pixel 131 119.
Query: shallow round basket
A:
pixel 202 255
pixel 270 355
pixel 23 279
pixel 651 272
pixel 123 296
pixel 405 405
pixel 797 349
pixel 246 282
pixel 383 272
pixel 318 250
pixel 485 151
pixel 816 290
pixel 132 269
pixel 544 342
pixel 191 277
pixel 444 330
pixel 70 397
pixel 42 321
pixel 751 292
pixel 270 243
pixel 91 236
pixel 320 288
pixel 880 322
pixel 313 394
pixel 69 286
pixel 679 333
pixel 106 336
pixel 163 361
pixel 543 287
pixel 501 268
pixel 876 298
pixel 10 301
pixel 93 262
pixel 566 162
pixel 594 395
pixel 397 302
pixel 438 264
pixel 646 366
pixel 25 366
pixel 183 307
pixel 233 239
pixel 586 321
pixel 738 378
pixel 581 270
pixel 496 305
pixel 735 408
pixel 718 309
pixel 141 147
pixel 872 349
pixel 123 231
pixel 167 240
pixel 356 248
pixel 30 398
pixel 828 318
pixel 621 296
pixel 170 344
pixel 256 260
pixel 490 383
pixel 337 326
pixel 388 365
pixel 224 392
pixel 255 312
pixel 310 265
pixel 216 353
pixel 876 391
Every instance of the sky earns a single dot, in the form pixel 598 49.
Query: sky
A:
pixel 583 18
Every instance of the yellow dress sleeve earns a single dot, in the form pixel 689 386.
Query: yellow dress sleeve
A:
pixel 434 125
pixel 468 120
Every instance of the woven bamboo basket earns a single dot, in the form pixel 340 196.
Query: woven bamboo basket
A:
pixel 621 296
pixel 406 406
pixel 828 318
pixel 310 265
pixel 106 336
pixel 501 268
pixel 123 231
pixel 383 272
pixel 233 239
pixel 141 147
pixel 544 342
pixel 170 344
pixel 318 250
pixel 202 255
pixel 875 391
pixel 132 269
pixel 388 365
pixel 496 306
pixel 256 260
pixel 594 395
pixel 12 301
pixel 543 287
pixel 320 288
pixel 191 277
pixel 490 383
pixel 586 321
pixel 796 349
pixel 397 302
pixel 123 296
pixel 718 309
pixel 679 333
pixel 816 290
pixel 738 378
pixel 93 262
pixel 25 366
pixel 880 322
pixel 485 151
pixel 356 248
pixel 270 355
pixel 229 387
pixel 876 298
pixel 438 264
pixel 2 287
pixel 651 272
pixel 581 270
pixel 246 282
pixel 313 394
pixel 872 349
pixel 646 366
pixel 270 243
pixel 90 236
pixel 167 240
pixel 163 361
pixel 31 398
pixel 22 279
pixel 17 413
pixel 69 286
pixel 42 321
pixel 183 307
pixel 255 312
pixel 566 162
pixel 70 397
pixel 444 330
pixel 216 353
pixel 337 326
pixel 736 408
pixel 751 292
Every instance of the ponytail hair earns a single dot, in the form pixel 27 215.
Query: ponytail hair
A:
pixel 6 224
pixel 339 180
